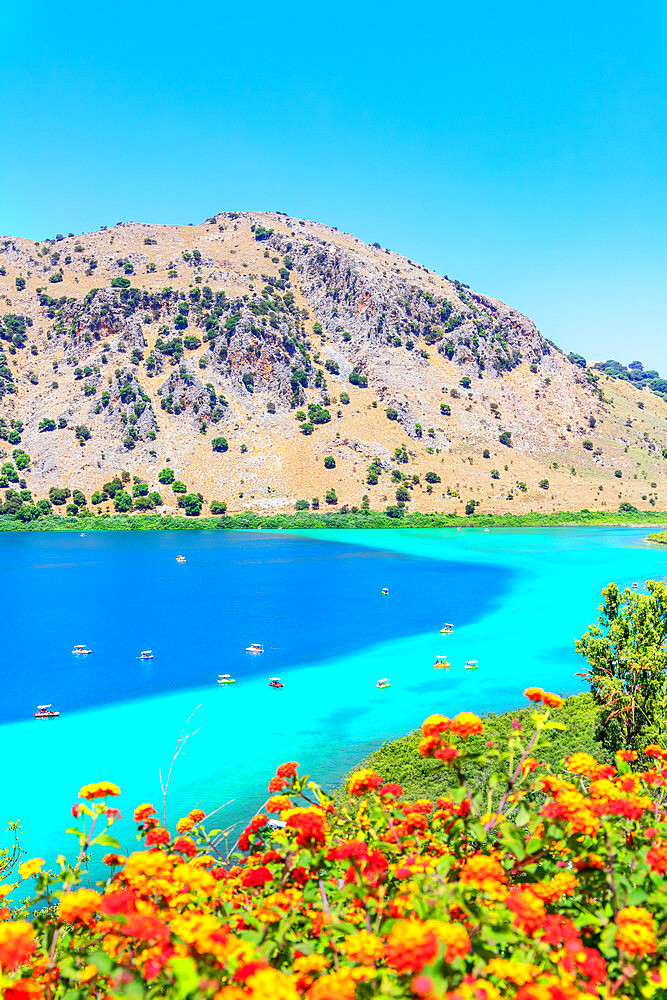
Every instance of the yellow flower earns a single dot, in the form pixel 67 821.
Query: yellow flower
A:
pixel 31 867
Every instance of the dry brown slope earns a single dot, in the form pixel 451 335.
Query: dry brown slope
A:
pixel 304 295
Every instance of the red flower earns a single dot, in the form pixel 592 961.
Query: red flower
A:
pixel 123 902
pixel 257 822
pixel 185 845
pixel 534 693
pixel 256 876
pixel 392 790
pixel 309 825
pixel 157 836
pixel 446 753
pixel 288 769
pixel 244 972
pixel 277 784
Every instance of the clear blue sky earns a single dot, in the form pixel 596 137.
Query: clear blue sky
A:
pixel 519 147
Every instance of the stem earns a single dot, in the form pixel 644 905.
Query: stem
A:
pixel 66 887
pixel 517 774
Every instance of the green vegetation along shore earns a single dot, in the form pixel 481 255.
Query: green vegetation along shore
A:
pixel 659 536
pixel 398 761
pixel 334 519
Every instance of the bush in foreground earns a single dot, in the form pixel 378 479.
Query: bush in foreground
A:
pixel 537 887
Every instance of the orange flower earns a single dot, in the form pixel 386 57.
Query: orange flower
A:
pixel 518 973
pixel 410 946
pixel 636 931
pixel 305 967
pixel 184 824
pixel 78 906
pixel 529 764
pixel 24 989
pixel 363 948
pixel 534 693
pixel 453 936
pixel 581 763
pixel 466 724
pixel 528 910
pixel 17 944
pixel 277 803
pixel 482 872
pixel 335 986
pixel 269 984
pixel 552 700
pixel 114 860
pixel 99 790
pixel 143 812
pixel 429 744
pixel 197 815
pixel 363 781
pixel 435 724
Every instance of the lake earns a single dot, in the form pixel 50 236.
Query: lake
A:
pixel 518 598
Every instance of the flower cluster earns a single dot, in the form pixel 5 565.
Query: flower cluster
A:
pixel 546 887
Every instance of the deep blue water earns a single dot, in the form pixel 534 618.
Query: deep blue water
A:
pixel 121 592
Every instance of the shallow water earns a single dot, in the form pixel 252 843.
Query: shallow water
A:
pixel 518 598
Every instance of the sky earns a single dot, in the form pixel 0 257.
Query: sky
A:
pixel 518 147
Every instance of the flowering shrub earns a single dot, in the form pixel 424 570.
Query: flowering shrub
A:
pixel 542 887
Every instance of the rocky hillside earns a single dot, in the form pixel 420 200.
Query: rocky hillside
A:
pixel 268 361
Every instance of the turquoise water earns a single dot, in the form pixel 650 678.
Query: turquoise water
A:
pixel 518 599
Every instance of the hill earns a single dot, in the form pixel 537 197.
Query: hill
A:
pixel 268 360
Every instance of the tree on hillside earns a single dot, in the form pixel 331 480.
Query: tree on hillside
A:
pixel 627 665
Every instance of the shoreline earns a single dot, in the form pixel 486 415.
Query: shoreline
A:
pixel 337 521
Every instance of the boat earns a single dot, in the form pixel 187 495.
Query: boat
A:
pixel 46 712
pixel 634 586
pixel 146 654
pixel 181 559
pixel 441 662
pixel 226 679
pixel 383 683
pixel 275 682
pixel 385 592
pixel 81 650
pixel 254 647
pixel 472 665
pixel 447 629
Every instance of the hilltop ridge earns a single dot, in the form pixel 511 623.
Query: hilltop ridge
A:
pixel 269 360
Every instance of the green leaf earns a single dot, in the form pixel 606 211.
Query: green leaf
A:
pixel 102 962
pixel 186 976
pixel 106 840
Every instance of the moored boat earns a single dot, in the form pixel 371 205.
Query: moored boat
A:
pixel 146 654
pixel 447 628
pixel 81 650
pixel 181 559
pixel 46 712
pixel 275 682
pixel 472 665
pixel 441 662
pixel 385 592
pixel 226 679
pixel 254 647
pixel 384 682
